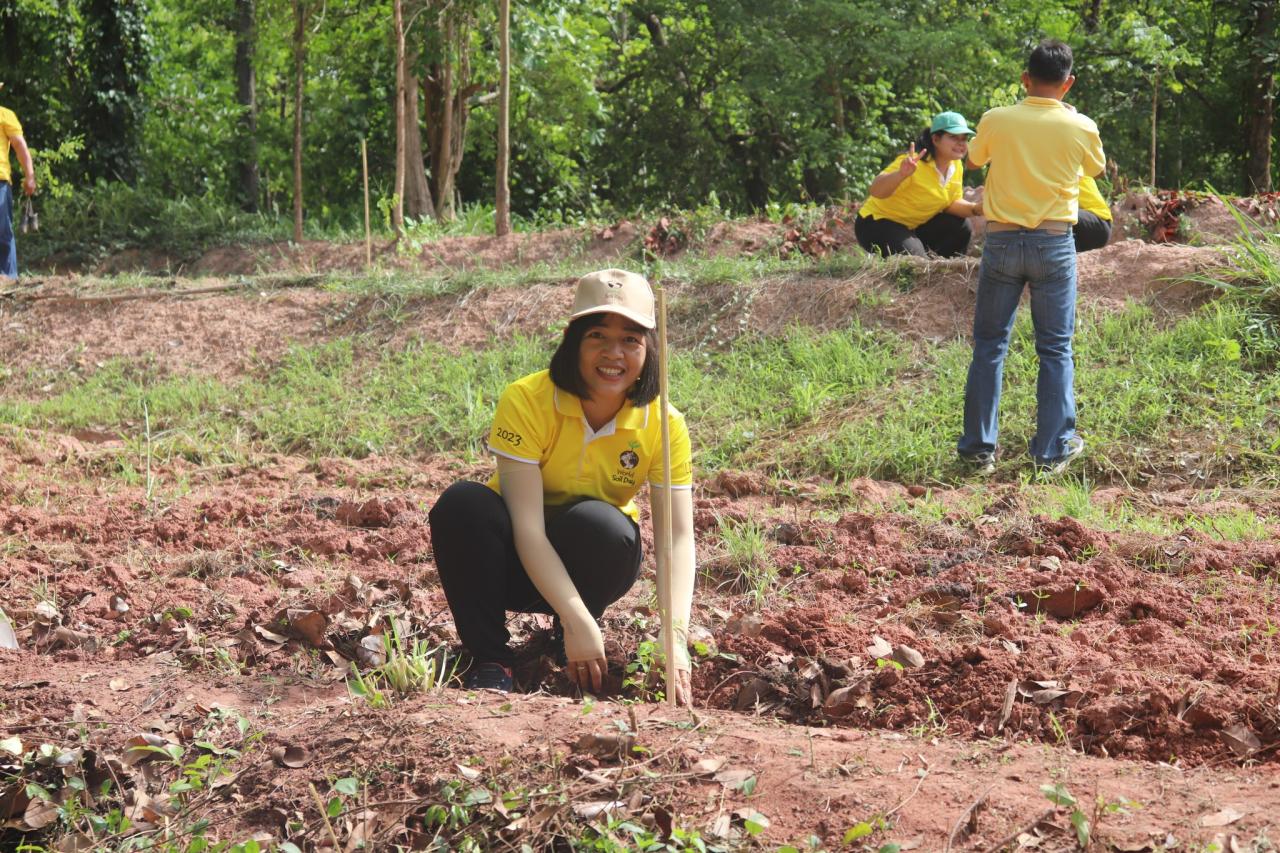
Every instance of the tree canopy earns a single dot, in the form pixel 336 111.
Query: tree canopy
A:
pixel 616 105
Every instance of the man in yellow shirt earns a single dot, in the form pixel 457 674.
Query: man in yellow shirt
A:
pixel 11 135
pixel 1037 151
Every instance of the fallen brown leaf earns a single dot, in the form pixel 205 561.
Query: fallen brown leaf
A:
pixel 1240 739
pixel 291 756
pixel 1228 815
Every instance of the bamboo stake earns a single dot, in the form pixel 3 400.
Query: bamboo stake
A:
pixel 662 535
pixel 368 235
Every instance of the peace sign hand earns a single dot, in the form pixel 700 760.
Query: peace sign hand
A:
pixel 908 165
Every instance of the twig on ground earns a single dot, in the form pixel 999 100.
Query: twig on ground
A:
pixel 1026 827
pixel 919 782
pixel 324 815
pixel 964 815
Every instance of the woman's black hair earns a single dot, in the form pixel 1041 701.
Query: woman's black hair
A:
pixel 925 146
pixel 567 374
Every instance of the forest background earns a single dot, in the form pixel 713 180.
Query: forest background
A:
pixel 134 107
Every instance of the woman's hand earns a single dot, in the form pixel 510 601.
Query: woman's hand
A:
pixel 908 165
pixel 584 649
pixel 684 692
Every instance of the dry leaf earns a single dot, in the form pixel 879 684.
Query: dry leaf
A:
pixel 1240 739
pixel 138 749
pixel 371 651
pixel 880 647
pixel 749 814
pixel 606 745
pixel 1010 694
pixel 77 842
pixel 1228 815
pixel 1044 697
pixel 46 613
pixel 270 636
pixel 908 657
pixel 117 607
pixel 594 809
pixel 532 822
pixel 40 813
pixel 305 624
pixel 118 684
pixel 733 778
pixel 707 766
pixel 291 756
pixel 469 773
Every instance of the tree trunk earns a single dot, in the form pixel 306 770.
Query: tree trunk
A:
pixel 417 192
pixel 446 93
pixel 397 210
pixel 1155 104
pixel 444 156
pixel 1260 97
pixel 502 203
pixel 1092 15
pixel 299 68
pixel 246 96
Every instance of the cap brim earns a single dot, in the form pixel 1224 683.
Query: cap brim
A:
pixel 635 317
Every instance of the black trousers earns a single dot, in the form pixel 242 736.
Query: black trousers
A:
pixel 944 235
pixel 1091 232
pixel 483 577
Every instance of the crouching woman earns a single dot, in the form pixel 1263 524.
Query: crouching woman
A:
pixel 916 205
pixel 556 529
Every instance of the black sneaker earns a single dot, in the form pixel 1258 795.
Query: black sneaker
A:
pixel 1054 467
pixel 982 464
pixel 488 675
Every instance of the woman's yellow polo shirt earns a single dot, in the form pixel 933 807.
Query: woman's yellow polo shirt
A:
pixel 539 423
pixel 1091 199
pixel 920 197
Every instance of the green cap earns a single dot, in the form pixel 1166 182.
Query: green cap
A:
pixel 950 123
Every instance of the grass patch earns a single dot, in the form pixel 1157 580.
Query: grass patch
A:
pixel 843 404
pixel 1150 398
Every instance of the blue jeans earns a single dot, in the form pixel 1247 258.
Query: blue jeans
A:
pixel 1046 262
pixel 8 242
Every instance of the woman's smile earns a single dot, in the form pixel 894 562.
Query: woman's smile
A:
pixel 611 357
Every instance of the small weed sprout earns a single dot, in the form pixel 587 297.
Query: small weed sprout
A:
pixel 419 668
pixel 742 565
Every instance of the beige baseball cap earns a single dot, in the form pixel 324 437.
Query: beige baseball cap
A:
pixel 615 292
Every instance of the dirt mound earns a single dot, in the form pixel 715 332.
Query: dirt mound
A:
pixel 229 332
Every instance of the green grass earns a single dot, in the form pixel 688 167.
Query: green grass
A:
pixel 842 404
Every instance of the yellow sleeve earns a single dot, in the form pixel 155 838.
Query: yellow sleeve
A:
pixel 1095 159
pixel 681 455
pixel 955 186
pixel 9 123
pixel 978 153
pixel 517 432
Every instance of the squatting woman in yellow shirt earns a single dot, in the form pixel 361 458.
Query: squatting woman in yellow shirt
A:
pixel 556 530
pixel 1093 228
pixel 916 204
